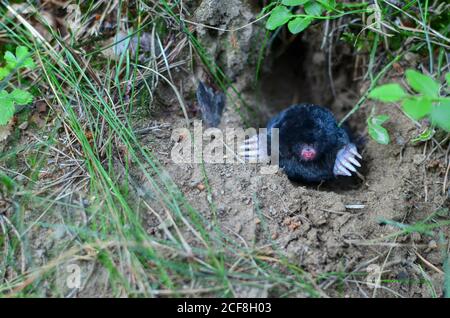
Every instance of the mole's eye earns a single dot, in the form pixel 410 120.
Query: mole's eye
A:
pixel 308 153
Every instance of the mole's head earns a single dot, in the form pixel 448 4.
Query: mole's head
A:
pixel 307 142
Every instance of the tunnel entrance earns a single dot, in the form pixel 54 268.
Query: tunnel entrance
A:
pixel 295 74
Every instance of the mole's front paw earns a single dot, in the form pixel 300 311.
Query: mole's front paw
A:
pixel 249 150
pixel 346 161
pixel 254 149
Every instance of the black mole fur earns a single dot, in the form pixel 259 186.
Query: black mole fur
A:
pixel 313 125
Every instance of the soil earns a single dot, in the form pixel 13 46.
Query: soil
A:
pixel 327 228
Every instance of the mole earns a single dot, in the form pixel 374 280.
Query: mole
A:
pixel 312 146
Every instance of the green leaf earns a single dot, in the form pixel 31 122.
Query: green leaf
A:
pixel 440 115
pixel 379 120
pixel 21 97
pixel 10 60
pixel 297 25
pixel 426 135
pixel 21 52
pixel 7 182
pixel 313 8
pixel 331 3
pixel 379 134
pixel 422 84
pixel 279 16
pixel 447 78
pixel 4 72
pixel 388 93
pixel 6 108
pixel 328 5
pixel 23 58
pixel 376 131
pixel 417 107
pixel 294 2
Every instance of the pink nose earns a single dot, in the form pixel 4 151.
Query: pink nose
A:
pixel 308 153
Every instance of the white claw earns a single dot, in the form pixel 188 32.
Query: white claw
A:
pixel 252 140
pixel 355 152
pixel 249 146
pixel 248 150
pixel 253 153
pixel 353 161
pixel 348 165
pixel 342 171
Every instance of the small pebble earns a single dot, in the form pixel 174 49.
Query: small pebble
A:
pixel 23 125
pixel 432 244
pixel 355 206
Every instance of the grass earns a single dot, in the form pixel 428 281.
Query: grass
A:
pixel 93 116
pixel 80 190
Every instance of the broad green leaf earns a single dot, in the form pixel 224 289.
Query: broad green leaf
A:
pixel 21 97
pixel 422 84
pixel 10 60
pixel 388 93
pixel 279 16
pixel 376 131
pixel 4 72
pixel 313 8
pixel 23 58
pixel 417 107
pixel 6 108
pixel 331 3
pixel 294 2
pixel 380 119
pixel 440 115
pixel 298 24
pixel 21 52
pixel 379 134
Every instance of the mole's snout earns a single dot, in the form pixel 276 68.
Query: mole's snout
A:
pixel 308 153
